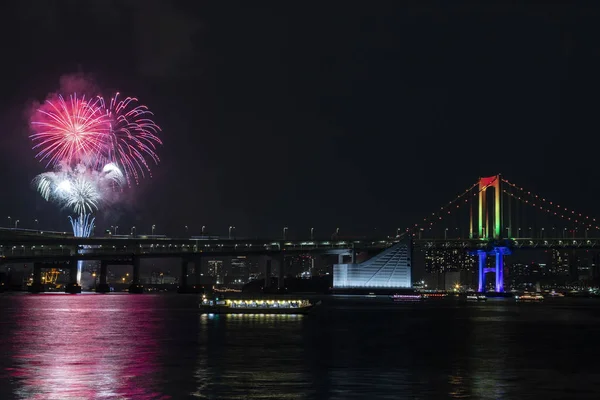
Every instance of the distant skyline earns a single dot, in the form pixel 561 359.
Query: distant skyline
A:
pixel 365 118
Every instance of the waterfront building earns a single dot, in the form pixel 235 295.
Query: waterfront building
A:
pixel 389 269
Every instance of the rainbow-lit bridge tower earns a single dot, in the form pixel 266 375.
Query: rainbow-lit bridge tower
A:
pixel 490 229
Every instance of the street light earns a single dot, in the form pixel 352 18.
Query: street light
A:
pixel 116 228
pixel 133 231
pixel 37 224
pixel 312 231
pixel 153 228
pixel 284 232
pixel 17 224
pixel 9 221
pixel 186 229
pixel 203 227
pixel 397 231
pixel 230 228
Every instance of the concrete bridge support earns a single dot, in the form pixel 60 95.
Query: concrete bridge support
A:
pixel 267 273
pixel 499 272
pixel 481 277
pixel 73 287
pixel 103 286
pixel 281 272
pixel 183 277
pixel 342 257
pixel 197 270
pixel 185 286
pixel 499 252
pixel 136 287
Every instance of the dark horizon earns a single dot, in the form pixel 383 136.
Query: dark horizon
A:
pixel 366 118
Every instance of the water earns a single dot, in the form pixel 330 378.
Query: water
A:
pixel 123 346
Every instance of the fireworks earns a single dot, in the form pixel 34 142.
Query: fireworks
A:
pixel 94 148
pixel 132 136
pixel 80 189
pixel 82 225
pixel 95 133
pixel 69 131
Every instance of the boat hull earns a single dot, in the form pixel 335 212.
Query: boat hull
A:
pixel 475 299
pixel 529 300
pixel 257 310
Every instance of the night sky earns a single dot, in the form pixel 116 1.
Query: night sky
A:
pixel 355 115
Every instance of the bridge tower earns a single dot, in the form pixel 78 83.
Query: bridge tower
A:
pixel 490 228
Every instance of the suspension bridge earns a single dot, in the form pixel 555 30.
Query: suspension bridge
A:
pixel 495 216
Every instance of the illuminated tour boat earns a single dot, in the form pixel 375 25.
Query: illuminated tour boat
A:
pixel 476 297
pixel 401 298
pixel 529 298
pixel 255 306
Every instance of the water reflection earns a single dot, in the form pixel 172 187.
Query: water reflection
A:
pixel 251 356
pixel 75 347
pixel 153 347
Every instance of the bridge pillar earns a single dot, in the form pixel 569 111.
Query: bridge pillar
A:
pixel 183 279
pixel 482 259
pixel 36 285
pixel 197 269
pixel 103 287
pixel 136 287
pixel 267 273
pixel 281 272
pixel 500 252
pixel 341 258
pixel 73 286
pixel 499 272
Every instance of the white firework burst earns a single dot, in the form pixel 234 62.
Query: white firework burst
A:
pixel 79 189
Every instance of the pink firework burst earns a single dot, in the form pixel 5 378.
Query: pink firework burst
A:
pixel 70 131
pixel 132 140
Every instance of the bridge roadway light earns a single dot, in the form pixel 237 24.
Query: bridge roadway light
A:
pixel 312 231
pixel 284 232
pixel 153 228
pixel 17 224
